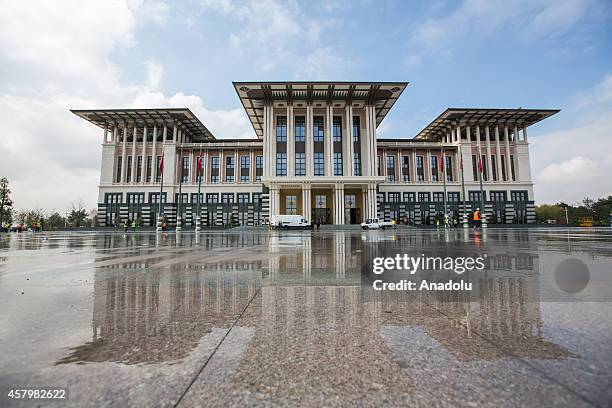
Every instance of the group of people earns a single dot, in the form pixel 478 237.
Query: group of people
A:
pixel 452 220
pixel 316 223
pixel 36 226
pixel 127 224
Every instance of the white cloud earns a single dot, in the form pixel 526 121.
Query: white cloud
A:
pixel 62 59
pixel 575 163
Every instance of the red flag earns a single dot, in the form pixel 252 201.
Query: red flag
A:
pixel 200 163
pixel 479 165
pixel 161 164
pixel 441 162
pixel 462 164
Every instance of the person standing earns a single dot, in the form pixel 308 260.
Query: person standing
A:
pixel 134 225
pixel 477 218
pixel 318 224
pixel 125 226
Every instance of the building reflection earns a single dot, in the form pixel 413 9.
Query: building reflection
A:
pixel 307 300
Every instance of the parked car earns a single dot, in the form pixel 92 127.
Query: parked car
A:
pixel 375 223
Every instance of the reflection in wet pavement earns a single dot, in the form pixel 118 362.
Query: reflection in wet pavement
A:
pixel 251 317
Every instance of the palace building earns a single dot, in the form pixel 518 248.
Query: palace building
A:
pixel 316 153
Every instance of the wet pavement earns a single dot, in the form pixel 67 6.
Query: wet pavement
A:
pixel 258 318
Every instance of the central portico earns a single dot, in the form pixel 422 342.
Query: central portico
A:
pixel 319 145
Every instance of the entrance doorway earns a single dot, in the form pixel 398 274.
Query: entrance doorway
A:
pixel 351 211
pixel 321 211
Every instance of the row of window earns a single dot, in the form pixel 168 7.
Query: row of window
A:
pixel 435 169
pixel 318 129
pixel 319 164
pixel 230 176
pixel 480 165
pixel 453 196
pixel 208 198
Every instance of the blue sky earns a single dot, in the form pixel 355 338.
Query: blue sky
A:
pixel 473 53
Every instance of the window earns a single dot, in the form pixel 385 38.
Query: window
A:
pixel 128 170
pixel 185 170
pixel 227 198
pixel 512 173
pixel 485 173
pixel 212 198
pixel 337 129
pixel 320 201
pixel 474 196
pixel 391 169
pixel 300 129
pixel 281 164
pixel 159 173
pixel 453 196
pixel 243 198
pixel 449 168
pixel 337 164
pixel 182 197
pixel 194 198
pixel 356 129
pixel 503 168
pixel 393 197
pixel 424 197
pixel 498 196
pixel 420 169
pixel 154 198
pixel 494 167
pixel 139 169
pixel 318 130
pixel 409 198
pixel 112 198
pixel 475 167
pixel 258 168
pixel 434 168
pixel 214 169
pixel 518 195
pixel 245 165
pixel 357 164
pixel 256 197
pixel 229 169
pixel 405 169
pixel 291 204
pixel 300 164
pixel 319 164
pixel 281 129
pixel 438 197
pixel 148 170
pixel 118 175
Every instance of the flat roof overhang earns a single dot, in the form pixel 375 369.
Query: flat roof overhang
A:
pixel 254 95
pixel 452 117
pixel 150 118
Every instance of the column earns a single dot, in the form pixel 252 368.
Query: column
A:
pixel 507 148
pixel 252 166
pixel 373 136
pixel 144 155
pixel 290 142
pixel 221 166
pixel 364 141
pixel 309 141
pixel 524 134
pixel 115 133
pixel 347 159
pixel 383 163
pixel 339 204
pixel 498 155
pixel 236 166
pixel 134 141
pixel 206 171
pixel 124 153
pixel 306 211
pixel 192 168
pixel 272 137
pixel 515 140
pixel 174 133
pixel 489 161
pixel 364 203
pixel 398 167
pixel 329 147
pixel 154 156
pixel 351 143
pixel 479 153
pixel 427 166
pixel 413 166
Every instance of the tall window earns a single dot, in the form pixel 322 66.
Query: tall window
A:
pixel 258 168
pixel 291 204
pixel 148 169
pixel 503 167
pixel 485 172
pixel 494 167
pixel 337 164
pixel 281 164
pixel 157 170
pixel 357 164
pixel 118 175
pixel 185 170
pixel 214 169
pixel 449 168
pixel 300 129
pixel 391 169
pixel 245 164
pixel 318 131
pixel 139 169
pixel 405 169
pixel 281 129
pixel 420 169
pixel 319 164
pixel 475 167
pixel 434 168
pixel 512 168
pixel 356 129
pixel 300 164
pixel 128 170
pixel 337 129
pixel 229 169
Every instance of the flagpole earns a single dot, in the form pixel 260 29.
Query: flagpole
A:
pixel 179 217
pixel 199 175
pixel 443 164
pixel 161 195
pixel 465 219
pixel 482 203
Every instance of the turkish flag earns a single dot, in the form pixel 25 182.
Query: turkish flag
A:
pixel 479 165
pixel 161 164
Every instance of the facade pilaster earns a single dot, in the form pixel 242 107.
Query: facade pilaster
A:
pixel 124 154
pixel 144 155
pixel 290 142
pixel 309 141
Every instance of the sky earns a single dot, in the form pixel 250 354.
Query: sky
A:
pixel 62 54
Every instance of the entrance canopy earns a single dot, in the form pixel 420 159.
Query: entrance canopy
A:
pixel 254 95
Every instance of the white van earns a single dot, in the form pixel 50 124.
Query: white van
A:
pixel 288 221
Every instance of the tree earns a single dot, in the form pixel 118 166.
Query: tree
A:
pixel 29 217
pixel 55 221
pixel 6 204
pixel 78 214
